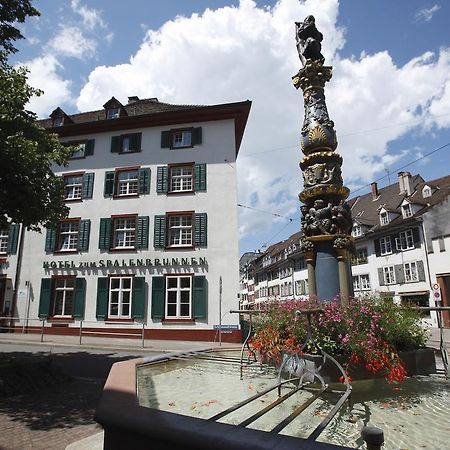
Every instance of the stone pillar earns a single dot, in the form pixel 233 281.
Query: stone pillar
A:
pixel 326 216
pixel 310 262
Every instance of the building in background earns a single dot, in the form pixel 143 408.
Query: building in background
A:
pixel 151 239
pixel 402 240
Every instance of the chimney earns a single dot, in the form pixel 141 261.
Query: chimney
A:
pixel 375 193
pixel 133 99
pixel 405 183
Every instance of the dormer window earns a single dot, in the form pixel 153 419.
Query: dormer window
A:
pixel 384 218
pixel 407 211
pixel 356 230
pixel 113 113
pixel 58 121
pixel 426 192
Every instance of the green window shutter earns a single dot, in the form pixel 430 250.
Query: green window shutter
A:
pixel 162 178
pixel 166 139
pixel 399 273
pixel 197 136
pixel 89 147
pixel 83 235
pixel 115 144
pixel 377 247
pixel 102 298
pixel 45 298
pixel 50 240
pixel 110 182
pixel 88 185
pixel 79 298
pixel 200 230
pixel 142 232
pixel 159 235
pixel 13 238
pixel 135 142
pixel 158 297
pixel 200 177
pixel 200 296
pixel 420 270
pixel 138 298
pixel 104 241
pixel 144 181
pixel 381 276
pixel 416 237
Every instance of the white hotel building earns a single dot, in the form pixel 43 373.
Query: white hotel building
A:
pixel 152 233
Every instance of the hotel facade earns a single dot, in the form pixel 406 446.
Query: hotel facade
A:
pixel 151 239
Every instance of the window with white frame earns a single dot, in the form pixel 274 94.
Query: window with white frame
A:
pixel 426 192
pixel 389 275
pixel 4 234
pixel 68 235
pixel 120 294
pixel 411 273
pixel 385 245
pixel 112 113
pixel 180 231
pixel 124 232
pixel 58 121
pixel 407 210
pixel 127 182
pixel 301 287
pixel 360 257
pixel 361 282
pixel 63 296
pixel 384 218
pixel 178 297
pixel 182 138
pixel 73 186
pixel 181 178
pixel 405 240
pixel 356 230
pixel 80 152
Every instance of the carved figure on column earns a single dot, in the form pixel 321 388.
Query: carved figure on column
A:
pixel 308 40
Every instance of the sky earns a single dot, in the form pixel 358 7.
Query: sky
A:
pixel 389 96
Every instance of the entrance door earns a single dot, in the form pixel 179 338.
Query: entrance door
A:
pixel 444 283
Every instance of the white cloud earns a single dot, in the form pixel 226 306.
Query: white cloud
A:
pixel 70 41
pixel 426 14
pixel 91 17
pixel 235 53
pixel 43 75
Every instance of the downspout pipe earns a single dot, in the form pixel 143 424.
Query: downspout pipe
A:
pixel 17 276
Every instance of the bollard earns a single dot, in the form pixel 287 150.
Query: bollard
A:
pixel 143 334
pixel 81 330
pixel 42 330
pixel 373 437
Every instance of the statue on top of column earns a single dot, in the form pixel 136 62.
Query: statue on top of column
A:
pixel 308 40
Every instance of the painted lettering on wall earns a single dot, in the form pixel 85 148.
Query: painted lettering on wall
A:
pixel 131 262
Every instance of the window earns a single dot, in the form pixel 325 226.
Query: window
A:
pixel 360 257
pixel 405 241
pixel 384 218
pixel 301 287
pixel 389 275
pixel 124 235
pixel 426 192
pixel 181 179
pixel 186 229
pixel 181 138
pixel 80 152
pixel 120 294
pixel 68 236
pixel 63 296
pixel 300 263
pixel 73 187
pixel 58 121
pixel 4 235
pixel 126 143
pixel 178 297
pixel 83 148
pixel 112 113
pixel 407 211
pixel 180 231
pixel 411 273
pixel 127 182
pixel 356 230
pixel 385 245
pixel 361 282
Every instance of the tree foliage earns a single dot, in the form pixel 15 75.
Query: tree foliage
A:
pixel 30 193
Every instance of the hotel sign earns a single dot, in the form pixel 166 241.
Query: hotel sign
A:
pixel 130 262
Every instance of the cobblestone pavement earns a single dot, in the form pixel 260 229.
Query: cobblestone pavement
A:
pixel 50 418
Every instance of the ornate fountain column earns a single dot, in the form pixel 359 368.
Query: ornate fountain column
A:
pixel 326 218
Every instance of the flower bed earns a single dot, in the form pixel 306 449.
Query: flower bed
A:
pixel 365 332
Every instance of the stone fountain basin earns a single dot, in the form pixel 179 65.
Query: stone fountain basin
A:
pixel 131 426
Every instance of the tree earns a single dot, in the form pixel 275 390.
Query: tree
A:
pixel 30 193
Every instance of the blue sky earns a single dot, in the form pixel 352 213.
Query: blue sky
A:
pixel 389 95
